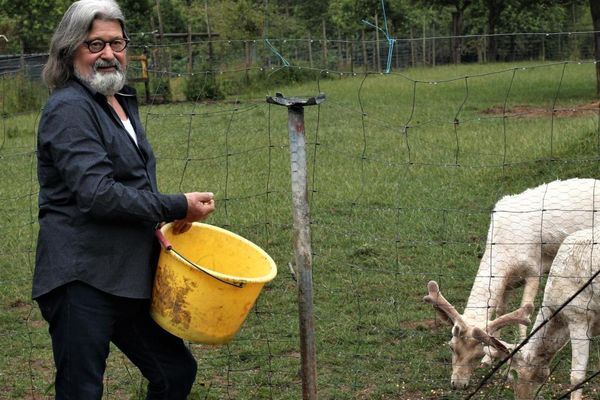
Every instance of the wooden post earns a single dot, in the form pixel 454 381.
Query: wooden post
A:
pixel 413 56
pixel 352 56
pixel 143 60
pixel 302 244
pixel 543 47
pixel 190 50
pixel 248 62
pixel 377 53
pixel 397 51
pixel 433 46
pixel 424 45
pixel 310 55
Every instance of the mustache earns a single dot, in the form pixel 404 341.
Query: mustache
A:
pixel 100 63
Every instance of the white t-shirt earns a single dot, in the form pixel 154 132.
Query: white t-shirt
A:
pixel 130 130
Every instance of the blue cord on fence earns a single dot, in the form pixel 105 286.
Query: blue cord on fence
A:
pixel 274 50
pixel 266 39
pixel 391 41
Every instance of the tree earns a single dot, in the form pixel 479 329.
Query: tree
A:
pixel 9 31
pixel 241 19
pixel 36 21
pixel 458 14
pixel 136 15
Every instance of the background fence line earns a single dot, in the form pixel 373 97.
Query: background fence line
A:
pixel 178 55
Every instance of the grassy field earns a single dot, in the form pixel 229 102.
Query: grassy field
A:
pixel 403 172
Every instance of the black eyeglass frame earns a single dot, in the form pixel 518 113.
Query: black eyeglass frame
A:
pixel 104 43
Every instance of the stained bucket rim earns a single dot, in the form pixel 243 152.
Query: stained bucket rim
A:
pixel 229 278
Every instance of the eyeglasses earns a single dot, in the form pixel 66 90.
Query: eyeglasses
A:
pixel 97 45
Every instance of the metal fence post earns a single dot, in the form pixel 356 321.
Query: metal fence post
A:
pixel 302 245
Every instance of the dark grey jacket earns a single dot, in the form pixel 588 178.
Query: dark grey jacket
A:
pixel 98 201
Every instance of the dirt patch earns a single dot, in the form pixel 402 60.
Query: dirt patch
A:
pixel 20 305
pixel 525 111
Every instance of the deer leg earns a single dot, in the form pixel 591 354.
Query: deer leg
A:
pixel 580 351
pixel 502 304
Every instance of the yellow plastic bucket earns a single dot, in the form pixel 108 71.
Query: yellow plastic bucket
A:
pixel 207 280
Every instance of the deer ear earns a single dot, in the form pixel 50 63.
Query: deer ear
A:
pixel 457 330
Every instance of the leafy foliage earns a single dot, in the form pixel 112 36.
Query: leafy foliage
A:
pixel 35 19
pixel 236 19
pixel 202 86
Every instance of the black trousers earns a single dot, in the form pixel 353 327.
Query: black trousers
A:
pixel 84 320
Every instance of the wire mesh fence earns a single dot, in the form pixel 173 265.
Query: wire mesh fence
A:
pixel 404 170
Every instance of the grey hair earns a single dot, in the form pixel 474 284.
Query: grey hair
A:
pixel 70 34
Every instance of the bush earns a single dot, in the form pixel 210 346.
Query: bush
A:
pixel 203 86
pixel 269 79
pixel 160 90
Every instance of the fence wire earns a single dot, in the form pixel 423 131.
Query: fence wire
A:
pixel 404 168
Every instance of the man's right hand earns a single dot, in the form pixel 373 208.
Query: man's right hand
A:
pixel 200 205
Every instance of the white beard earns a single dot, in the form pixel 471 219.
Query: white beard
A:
pixel 107 83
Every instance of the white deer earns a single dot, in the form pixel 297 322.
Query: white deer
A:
pixel 524 235
pixel 570 311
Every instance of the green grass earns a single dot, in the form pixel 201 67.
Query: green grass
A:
pixel 404 170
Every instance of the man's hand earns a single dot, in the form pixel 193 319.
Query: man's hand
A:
pixel 200 205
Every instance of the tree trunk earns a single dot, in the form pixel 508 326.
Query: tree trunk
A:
pixel 433 49
pixel 494 11
pixel 310 55
pixel 190 67
pixel 209 35
pixel 325 56
pixel 457 17
pixel 352 56
pixel 364 50
pixel 340 52
pixel 160 61
pixel 595 7
pixel 424 41
pixel 413 56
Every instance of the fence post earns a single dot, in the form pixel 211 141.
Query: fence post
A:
pixel 302 245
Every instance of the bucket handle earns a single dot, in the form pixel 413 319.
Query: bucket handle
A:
pixel 164 242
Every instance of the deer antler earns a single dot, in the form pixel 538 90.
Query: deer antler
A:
pixel 491 341
pixel 445 310
pixel 519 316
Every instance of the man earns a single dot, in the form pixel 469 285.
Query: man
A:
pixel 98 208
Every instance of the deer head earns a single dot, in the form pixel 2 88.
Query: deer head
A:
pixel 529 375
pixel 468 341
